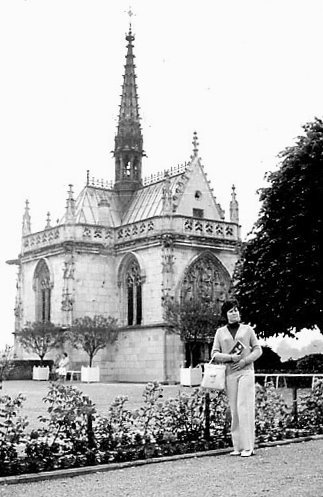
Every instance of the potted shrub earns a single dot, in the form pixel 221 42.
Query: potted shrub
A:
pixel 92 334
pixel 40 337
pixel 195 321
pixel 6 363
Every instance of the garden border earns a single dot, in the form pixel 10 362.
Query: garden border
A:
pixel 100 468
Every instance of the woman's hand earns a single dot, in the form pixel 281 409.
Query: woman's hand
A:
pixel 235 357
pixel 238 365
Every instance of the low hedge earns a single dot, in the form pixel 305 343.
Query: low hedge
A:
pixel 72 434
pixel 22 369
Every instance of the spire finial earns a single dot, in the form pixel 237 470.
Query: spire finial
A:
pixel 130 14
pixel 195 144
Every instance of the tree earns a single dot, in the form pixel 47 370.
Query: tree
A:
pixel 40 337
pixel 279 278
pixel 195 321
pixel 269 361
pixel 6 362
pixel 312 363
pixel 93 334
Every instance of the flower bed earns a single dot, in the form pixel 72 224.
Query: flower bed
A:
pixel 72 434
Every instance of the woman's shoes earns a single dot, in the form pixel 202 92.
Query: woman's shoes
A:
pixel 247 453
pixel 235 453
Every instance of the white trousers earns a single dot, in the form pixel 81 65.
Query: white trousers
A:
pixel 241 394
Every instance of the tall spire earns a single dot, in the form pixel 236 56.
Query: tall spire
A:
pixel 129 108
pixel 128 149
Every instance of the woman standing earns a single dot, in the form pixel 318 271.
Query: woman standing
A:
pixel 240 378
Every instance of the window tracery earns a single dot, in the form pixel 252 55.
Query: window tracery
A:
pixel 43 288
pixel 133 285
pixel 207 280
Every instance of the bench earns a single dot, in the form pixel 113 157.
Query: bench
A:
pixel 73 375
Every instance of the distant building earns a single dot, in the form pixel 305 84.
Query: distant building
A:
pixel 121 247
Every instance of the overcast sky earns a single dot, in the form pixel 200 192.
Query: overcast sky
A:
pixel 245 74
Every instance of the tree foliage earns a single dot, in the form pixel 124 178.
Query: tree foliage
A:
pixel 40 337
pixel 279 278
pixel 195 321
pixel 312 363
pixel 93 334
pixel 6 361
pixel 269 361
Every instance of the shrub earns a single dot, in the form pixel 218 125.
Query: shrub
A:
pixel 220 418
pixel 12 436
pixel 272 414
pixel 311 409
pixel 67 439
pixel 74 435
pixel 114 432
pixel 184 421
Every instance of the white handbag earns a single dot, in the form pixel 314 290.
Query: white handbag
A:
pixel 214 376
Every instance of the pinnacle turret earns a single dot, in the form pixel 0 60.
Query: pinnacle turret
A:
pixel 70 207
pixel 234 206
pixel 26 220
pixel 48 221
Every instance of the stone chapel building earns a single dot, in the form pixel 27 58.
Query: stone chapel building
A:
pixel 120 247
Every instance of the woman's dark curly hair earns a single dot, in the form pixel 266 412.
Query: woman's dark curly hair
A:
pixel 227 305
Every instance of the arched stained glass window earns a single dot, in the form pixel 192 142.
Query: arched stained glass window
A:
pixel 42 287
pixel 207 280
pixel 134 293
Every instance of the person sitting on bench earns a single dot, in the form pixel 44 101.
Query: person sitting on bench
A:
pixel 63 366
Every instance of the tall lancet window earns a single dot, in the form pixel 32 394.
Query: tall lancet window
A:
pixel 134 293
pixel 42 287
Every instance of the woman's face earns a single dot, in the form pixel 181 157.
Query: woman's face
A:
pixel 233 315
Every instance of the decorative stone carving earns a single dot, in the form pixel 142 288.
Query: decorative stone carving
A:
pixel 205 279
pixel 167 264
pixel 67 303
pixel 167 196
pixel 133 276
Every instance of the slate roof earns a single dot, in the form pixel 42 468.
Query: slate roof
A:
pixel 87 206
pixel 147 202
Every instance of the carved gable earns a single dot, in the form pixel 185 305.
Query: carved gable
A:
pixel 197 199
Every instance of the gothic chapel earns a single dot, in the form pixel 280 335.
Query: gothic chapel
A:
pixel 120 247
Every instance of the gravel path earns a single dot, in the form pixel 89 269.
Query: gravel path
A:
pixel 294 470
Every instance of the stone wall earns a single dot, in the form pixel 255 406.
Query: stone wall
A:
pixel 141 354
